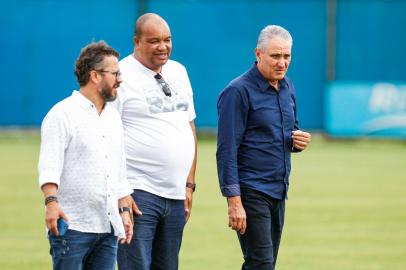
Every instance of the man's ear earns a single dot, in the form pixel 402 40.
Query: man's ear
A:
pixel 136 41
pixel 257 54
pixel 94 77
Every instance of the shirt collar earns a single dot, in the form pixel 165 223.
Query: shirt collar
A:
pixel 82 100
pixel 142 67
pixel 262 83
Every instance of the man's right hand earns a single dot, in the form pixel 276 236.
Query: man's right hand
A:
pixel 52 210
pixel 237 218
pixel 52 213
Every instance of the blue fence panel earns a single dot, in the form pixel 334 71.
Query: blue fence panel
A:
pixel 40 41
pixel 371 40
pixel 366 109
pixel 215 40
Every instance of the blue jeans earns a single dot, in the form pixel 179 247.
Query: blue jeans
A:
pixel 265 218
pixel 157 234
pixel 77 250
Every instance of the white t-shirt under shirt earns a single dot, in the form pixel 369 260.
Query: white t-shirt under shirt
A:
pixel 158 137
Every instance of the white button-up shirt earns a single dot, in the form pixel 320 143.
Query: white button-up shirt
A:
pixel 83 153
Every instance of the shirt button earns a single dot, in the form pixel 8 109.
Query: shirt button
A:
pixel 108 213
pixel 106 156
pixel 108 176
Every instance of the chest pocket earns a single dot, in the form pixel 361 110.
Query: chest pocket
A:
pixel 272 112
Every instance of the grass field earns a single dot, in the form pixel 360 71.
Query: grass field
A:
pixel 346 209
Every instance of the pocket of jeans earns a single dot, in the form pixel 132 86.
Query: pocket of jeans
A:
pixel 59 245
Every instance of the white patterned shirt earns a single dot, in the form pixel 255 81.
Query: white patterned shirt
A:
pixel 83 153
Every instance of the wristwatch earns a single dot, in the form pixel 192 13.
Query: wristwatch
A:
pixel 50 199
pixel 191 185
pixel 124 209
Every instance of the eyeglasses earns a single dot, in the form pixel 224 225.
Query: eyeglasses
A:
pixel 164 85
pixel 115 73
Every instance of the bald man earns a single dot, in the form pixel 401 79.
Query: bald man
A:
pixel 155 101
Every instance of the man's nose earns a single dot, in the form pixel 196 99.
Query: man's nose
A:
pixel 161 45
pixel 281 62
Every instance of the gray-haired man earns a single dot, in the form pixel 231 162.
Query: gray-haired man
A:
pixel 257 131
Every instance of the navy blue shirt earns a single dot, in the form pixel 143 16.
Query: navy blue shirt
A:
pixel 254 141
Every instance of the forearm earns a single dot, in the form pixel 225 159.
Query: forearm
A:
pixel 125 201
pixel 192 172
pixel 49 189
pixel 234 201
pixel 190 186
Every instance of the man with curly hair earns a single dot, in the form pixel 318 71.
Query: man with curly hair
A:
pixel 82 167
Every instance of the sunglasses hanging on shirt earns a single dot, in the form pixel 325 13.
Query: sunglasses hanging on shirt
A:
pixel 164 85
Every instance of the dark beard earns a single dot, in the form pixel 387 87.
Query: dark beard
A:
pixel 107 95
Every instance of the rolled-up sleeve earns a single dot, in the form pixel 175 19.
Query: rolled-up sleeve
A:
pixel 232 109
pixel 54 140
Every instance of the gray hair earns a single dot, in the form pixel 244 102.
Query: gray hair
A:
pixel 270 32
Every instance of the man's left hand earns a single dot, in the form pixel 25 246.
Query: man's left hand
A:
pixel 300 139
pixel 188 202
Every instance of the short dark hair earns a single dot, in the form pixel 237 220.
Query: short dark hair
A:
pixel 91 58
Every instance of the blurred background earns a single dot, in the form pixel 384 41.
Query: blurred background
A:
pixel 347 66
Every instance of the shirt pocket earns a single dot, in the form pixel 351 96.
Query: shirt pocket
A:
pixel 265 116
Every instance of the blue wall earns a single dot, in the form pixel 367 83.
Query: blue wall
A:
pixel 371 40
pixel 40 41
pixel 366 109
pixel 215 40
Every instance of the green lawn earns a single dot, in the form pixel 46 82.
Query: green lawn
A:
pixel 346 209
